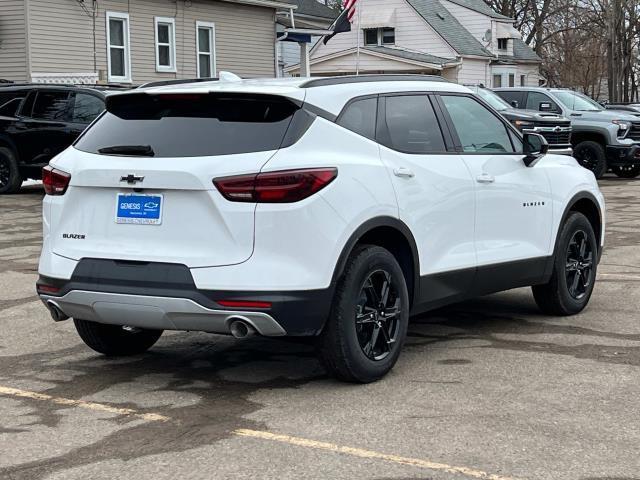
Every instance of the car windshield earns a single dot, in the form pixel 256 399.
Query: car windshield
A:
pixel 492 99
pixel 577 101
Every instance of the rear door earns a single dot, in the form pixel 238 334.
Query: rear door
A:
pixel 42 130
pixel 142 178
pixel 513 214
pixel 434 190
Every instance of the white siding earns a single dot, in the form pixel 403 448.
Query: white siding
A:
pixel 368 64
pixel 62 37
pixel 412 32
pixel 476 23
pixel 13 42
pixel 474 72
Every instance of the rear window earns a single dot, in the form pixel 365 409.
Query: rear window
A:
pixel 191 125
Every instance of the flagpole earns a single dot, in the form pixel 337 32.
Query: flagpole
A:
pixel 358 45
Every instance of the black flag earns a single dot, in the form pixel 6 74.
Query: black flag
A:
pixel 341 25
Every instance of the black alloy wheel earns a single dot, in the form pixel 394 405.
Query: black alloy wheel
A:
pixel 579 265
pixel 376 316
pixel 591 156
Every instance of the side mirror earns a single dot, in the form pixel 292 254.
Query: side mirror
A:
pixel 535 147
pixel 515 104
pixel 545 107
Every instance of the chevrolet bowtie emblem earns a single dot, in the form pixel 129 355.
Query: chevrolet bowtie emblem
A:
pixel 131 179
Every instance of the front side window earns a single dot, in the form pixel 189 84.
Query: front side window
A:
pixel 51 106
pixel 479 130
pixel 577 101
pixel 86 108
pixel 206 53
pixel 360 117
pixel 165 44
pixel 412 125
pixel 536 99
pixel 118 54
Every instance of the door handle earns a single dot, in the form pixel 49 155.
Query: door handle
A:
pixel 403 172
pixel 485 178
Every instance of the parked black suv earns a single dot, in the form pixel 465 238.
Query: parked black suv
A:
pixel 39 121
pixel 556 129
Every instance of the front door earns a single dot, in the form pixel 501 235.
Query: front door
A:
pixel 514 211
pixel 435 194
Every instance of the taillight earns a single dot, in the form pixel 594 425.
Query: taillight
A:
pixel 55 181
pixel 286 186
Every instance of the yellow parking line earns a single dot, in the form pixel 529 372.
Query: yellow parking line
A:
pixel 358 452
pixel 98 407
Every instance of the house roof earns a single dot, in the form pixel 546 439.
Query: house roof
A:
pixel 522 51
pixel 448 27
pixel 313 8
pixel 481 7
pixel 408 55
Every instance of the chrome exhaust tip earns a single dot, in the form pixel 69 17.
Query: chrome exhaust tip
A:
pixel 56 312
pixel 240 328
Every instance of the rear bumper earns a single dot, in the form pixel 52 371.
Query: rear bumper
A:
pixel 157 313
pixel 164 296
pixel 621 156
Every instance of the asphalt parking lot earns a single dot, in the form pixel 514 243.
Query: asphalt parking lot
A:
pixel 489 389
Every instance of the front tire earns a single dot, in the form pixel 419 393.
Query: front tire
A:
pixel 592 157
pixel 367 327
pixel 627 171
pixel 10 178
pixel 574 270
pixel 114 340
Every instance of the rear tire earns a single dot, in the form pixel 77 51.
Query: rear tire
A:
pixel 592 157
pixel 574 270
pixel 367 327
pixel 114 340
pixel 10 178
pixel 628 171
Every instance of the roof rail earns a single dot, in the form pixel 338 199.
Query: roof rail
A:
pixel 164 83
pixel 344 80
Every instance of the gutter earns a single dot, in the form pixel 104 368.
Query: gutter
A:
pixel 265 3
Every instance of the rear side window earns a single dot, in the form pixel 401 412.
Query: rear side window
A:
pixel 86 108
pixel 9 109
pixel 191 125
pixel 51 105
pixel 360 117
pixel 411 125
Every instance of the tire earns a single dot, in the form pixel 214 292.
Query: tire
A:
pixel 592 157
pixel 114 340
pixel 557 297
pixel 628 171
pixel 349 346
pixel 10 178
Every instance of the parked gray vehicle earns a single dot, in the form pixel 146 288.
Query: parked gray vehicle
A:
pixel 602 139
pixel 555 128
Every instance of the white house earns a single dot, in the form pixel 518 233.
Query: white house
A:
pixel 465 41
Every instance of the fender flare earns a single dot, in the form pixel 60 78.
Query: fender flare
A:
pixel 376 222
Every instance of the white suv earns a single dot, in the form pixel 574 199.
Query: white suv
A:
pixel 331 207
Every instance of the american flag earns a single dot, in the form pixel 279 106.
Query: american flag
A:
pixel 350 6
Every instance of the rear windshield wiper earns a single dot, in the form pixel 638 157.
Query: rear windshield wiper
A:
pixel 137 150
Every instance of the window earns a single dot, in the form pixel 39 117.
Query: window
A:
pixel 371 36
pixel 497 81
pixel 379 36
pixel 511 96
pixel 10 108
pixel 206 124
pixel 479 130
pixel 51 105
pixel 534 99
pixel 503 43
pixel 360 117
pixel 412 126
pixel 86 108
pixel 206 50
pixel 523 80
pixel 388 36
pixel 165 44
pixel 512 79
pixel 118 54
